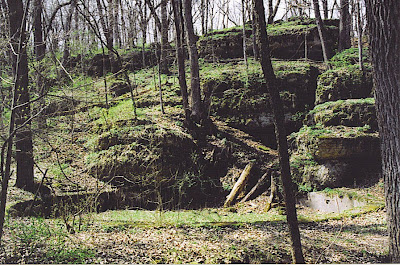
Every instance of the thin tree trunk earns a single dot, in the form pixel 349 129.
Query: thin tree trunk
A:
pixel 344 26
pixel 280 132
pixel 244 40
pixel 40 50
pixel 322 33
pixel 67 39
pixel 253 29
pixel 325 9
pixel 164 37
pixel 180 56
pixel 194 61
pixel 360 34
pixel 384 26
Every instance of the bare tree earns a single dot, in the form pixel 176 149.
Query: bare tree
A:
pixel 180 56
pixel 197 111
pixel 344 26
pixel 272 10
pixel 280 132
pixel 322 33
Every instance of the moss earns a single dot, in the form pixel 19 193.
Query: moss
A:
pixel 343 83
pixel 350 57
pixel 350 112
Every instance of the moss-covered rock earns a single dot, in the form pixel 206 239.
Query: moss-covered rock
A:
pixel 343 83
pixel 351 57
pixel 334 156
pixel 242 101
pixel 350 112
pixel 286 39
pixel 161 166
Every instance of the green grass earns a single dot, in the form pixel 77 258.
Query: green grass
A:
pixel 133 218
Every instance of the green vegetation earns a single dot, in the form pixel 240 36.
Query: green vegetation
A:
pixel 343 83
pixel 350 57
pixel 35 234
pixel 205 217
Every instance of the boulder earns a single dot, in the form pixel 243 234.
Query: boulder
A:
pixel 334 156
pixel 350 112
pixel 142 160
pixel 343 83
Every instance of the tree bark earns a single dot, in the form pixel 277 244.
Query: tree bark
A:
pixel 344 26
pixel 322 33
pixel 194 62
pixel 325 9
pixel 180 56
pixel 360 34
pixel 384 26
pixel 164 37
pixel 23 138
pixel 280 132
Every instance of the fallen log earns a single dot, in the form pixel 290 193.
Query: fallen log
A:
pixel 257 186
pixel 239 185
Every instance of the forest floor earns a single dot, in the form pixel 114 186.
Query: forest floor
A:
pixel 244 234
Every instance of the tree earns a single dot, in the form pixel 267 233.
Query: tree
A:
pixel 23 137
pixel 384 26
pixel 194 61
pixel 344 26
pixel 280 132
pixel 272 10
pixel 180 55
pixel 321 32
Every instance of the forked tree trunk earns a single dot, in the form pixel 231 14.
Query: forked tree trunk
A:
pixel 384 25
pixel 280 132
pixel 194 61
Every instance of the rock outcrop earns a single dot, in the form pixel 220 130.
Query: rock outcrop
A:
pixel 328 154
pixel 287 40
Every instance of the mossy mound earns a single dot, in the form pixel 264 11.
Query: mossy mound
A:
pixel 343 83
pixel 286 39
pixel 351 57
pixel 350 112
pixel 334 156
pixel 241 100
pixel 154 166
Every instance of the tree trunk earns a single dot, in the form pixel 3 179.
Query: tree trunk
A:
pixel 276 104
pixel 164 38
pixel 325 9
pixel 322 33
pixel 23 141
pixel 344 26
pixel 194 61
pixel 272 10
pixel 384 25
pixel 40 50
pixel 180 56
pixel 256 52
pixel 360 34
pixel 67 39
